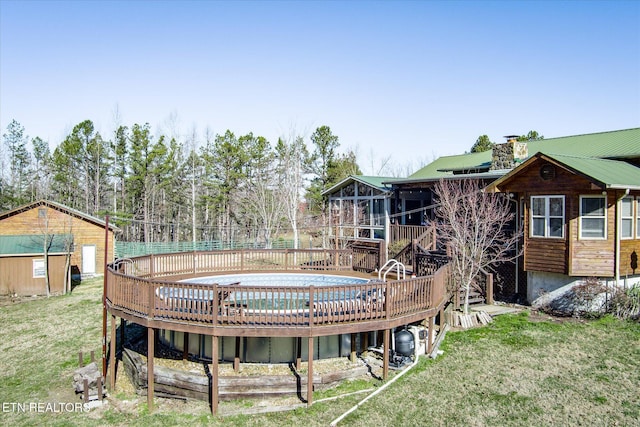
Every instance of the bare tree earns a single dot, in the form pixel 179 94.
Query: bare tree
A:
pixel 292 156
pixel 477 227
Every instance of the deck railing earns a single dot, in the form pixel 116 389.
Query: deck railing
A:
pixel 425 235
pixel 135 287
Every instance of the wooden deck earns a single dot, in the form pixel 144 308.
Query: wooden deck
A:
pixel 145 290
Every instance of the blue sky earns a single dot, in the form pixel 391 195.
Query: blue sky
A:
pixel 403 81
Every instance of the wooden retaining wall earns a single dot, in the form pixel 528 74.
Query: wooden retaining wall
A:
pixel 174 383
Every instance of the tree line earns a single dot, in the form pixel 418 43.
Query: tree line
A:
pixel 166 189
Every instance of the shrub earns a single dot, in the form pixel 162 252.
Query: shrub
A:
pixel 625 303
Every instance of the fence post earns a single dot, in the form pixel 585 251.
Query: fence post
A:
pixel 490 288
pixel 286 258
pixel 151 300
pixel 382 254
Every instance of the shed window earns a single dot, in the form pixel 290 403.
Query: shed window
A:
pixel 547 216
pixel 593 217
pixel 38 268
pixel 626 218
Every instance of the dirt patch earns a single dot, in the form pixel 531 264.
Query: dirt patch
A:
pixel 541 316
pixel 6 300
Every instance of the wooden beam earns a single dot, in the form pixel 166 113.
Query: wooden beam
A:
pixel 185 346
pixel 430 335
pixel 353 348
pixel 310 373
pixel 150 381
pixel 385 354
pixel 112 356
pixel 236 358
pixel 214 374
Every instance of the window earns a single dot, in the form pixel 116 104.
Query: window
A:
pixel 38 268
pixel 638 218
pixel 593 217
pixel 547 216
pixel 626 218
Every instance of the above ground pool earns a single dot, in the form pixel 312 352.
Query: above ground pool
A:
pixel 280 279
pixel 271 349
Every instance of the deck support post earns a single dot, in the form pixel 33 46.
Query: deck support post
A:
pixel 150 381
pixel 353 355
pixel 112 356
pixel 123 324
pixel 365 342
pixel 385 354
pixel 185 346
pixel 430 335
pixel 310 373
pixel 214 374
pixel 236 357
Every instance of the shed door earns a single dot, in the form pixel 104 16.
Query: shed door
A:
pixel 88 259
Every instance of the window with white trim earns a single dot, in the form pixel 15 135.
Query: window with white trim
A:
pixel 38 268
pixel 547 216
pixel 626 218
pixel 593 217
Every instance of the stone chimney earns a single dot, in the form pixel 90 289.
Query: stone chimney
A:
pixel 509 154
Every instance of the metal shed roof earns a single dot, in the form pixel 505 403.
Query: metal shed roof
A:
pixel 33 244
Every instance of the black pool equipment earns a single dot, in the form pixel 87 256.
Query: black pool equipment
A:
pixel 403 349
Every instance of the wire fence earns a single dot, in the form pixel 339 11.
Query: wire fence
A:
pixel 132 249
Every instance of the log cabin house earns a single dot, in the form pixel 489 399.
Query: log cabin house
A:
pixel 595 179
pixel 50 219
pixel 580 217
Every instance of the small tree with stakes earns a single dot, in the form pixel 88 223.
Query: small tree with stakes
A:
pixel 477 227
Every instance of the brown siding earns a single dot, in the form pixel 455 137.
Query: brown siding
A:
pixel 570 255
pixel 593 257
pixel 16 276
pixel 627 250
pixel 545 255
pixel 84 232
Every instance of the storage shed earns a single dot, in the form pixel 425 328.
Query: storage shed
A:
pixel 51 218
pixel 25 261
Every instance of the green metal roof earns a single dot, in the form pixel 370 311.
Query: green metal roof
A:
pixel 618 144
pixel 615 174
pixel 378 182
pixel 33 244
pixel 607 145
pixel 443 166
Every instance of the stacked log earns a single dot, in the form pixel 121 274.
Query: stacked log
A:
pixel 88 381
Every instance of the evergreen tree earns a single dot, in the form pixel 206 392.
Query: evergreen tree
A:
pixel 483 143
pixel 41 168
pixel 15 192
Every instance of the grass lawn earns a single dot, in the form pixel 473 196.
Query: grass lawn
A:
pixel 520 370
